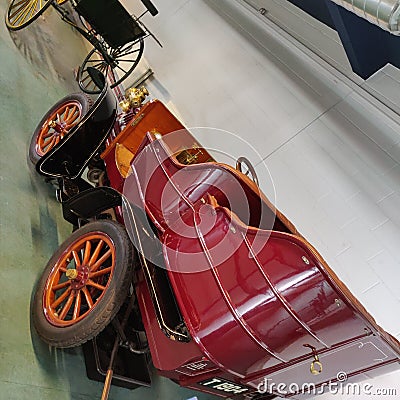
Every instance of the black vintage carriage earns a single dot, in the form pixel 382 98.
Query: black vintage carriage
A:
pixel 117 37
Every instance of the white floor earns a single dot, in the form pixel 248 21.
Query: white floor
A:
pixel 333 157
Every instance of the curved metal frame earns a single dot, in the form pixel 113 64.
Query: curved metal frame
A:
pixel 249 165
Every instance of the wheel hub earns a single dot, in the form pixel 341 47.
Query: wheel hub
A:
pixel 78 277
pixel 58 127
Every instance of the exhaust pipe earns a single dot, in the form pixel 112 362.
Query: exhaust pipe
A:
pixel 384 13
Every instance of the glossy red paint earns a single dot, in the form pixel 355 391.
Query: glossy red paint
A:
pixel 167 355
pixel 267 312
pixel 258 300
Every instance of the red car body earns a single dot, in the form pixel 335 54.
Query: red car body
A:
pixel 234 301
pixel 260 303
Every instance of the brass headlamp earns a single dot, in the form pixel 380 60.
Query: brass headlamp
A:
pixel 133 98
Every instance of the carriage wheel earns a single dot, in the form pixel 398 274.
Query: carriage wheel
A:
pixel 83 285
pixel 21 13
pixel 123 61
pixel 57 123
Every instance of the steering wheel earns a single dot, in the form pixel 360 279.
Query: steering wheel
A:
pixel 248 170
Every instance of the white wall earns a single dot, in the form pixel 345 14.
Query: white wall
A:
pixel 315 35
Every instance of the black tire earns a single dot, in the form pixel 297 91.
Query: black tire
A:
pixel 80 100
pixel 25 13
pixel 92 321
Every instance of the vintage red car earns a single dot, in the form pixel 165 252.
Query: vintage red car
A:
pixel 182 259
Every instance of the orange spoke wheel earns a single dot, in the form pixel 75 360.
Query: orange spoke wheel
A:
pixel 57 124
pixel 84 284
pixel 79 279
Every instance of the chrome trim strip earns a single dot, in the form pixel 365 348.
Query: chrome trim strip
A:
pixel 168 331
pixel 279 296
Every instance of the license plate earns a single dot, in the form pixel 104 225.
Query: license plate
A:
pixel 224 386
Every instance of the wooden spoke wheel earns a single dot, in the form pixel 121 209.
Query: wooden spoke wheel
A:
pixel 83 285
pixel 79 279
pixel 119 63
pixel 21 13
pixel 57 123
pixel 57 126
